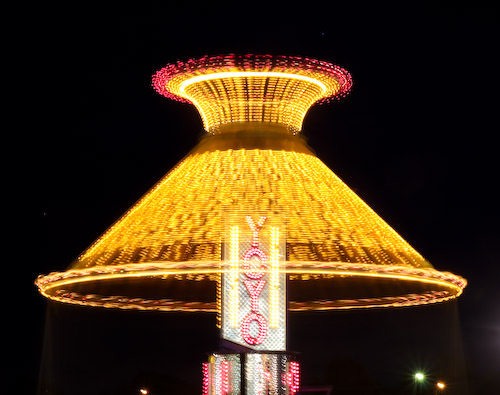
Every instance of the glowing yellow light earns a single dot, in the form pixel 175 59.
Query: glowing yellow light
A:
pixel 274 278
pixel 440 385
pixel 234 272
pixel 253 163
pixel 281 96
pixel 143 391
pixel 236 74
pixel 320 228
pixel 218 296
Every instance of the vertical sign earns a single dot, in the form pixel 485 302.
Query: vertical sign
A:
pixel 222 375
pixel 260 373
pixel 254 282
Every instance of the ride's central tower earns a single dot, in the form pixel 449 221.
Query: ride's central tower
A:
pixel 251 225
pixel 254 359
pixel 253 104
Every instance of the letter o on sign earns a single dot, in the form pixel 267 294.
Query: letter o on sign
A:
pixel 246 263
pixel 245 328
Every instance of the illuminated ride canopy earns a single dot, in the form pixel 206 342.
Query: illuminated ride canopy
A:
pixel 169 251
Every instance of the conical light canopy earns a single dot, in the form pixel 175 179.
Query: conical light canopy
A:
pixel 165 252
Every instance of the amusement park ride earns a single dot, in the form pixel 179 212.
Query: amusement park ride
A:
pixel 251 225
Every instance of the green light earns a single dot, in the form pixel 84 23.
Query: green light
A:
pixel 419 376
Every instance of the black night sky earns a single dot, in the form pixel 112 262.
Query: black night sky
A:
pixel 416 139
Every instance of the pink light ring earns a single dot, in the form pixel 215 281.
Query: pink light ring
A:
pixel 159 82
pixel 250 62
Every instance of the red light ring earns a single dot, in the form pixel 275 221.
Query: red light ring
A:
pixel 213 64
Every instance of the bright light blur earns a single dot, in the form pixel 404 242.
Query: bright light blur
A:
pixel 440 385
pixel 419 376
pixel 143 391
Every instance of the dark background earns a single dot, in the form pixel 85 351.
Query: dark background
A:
pixel 416 139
